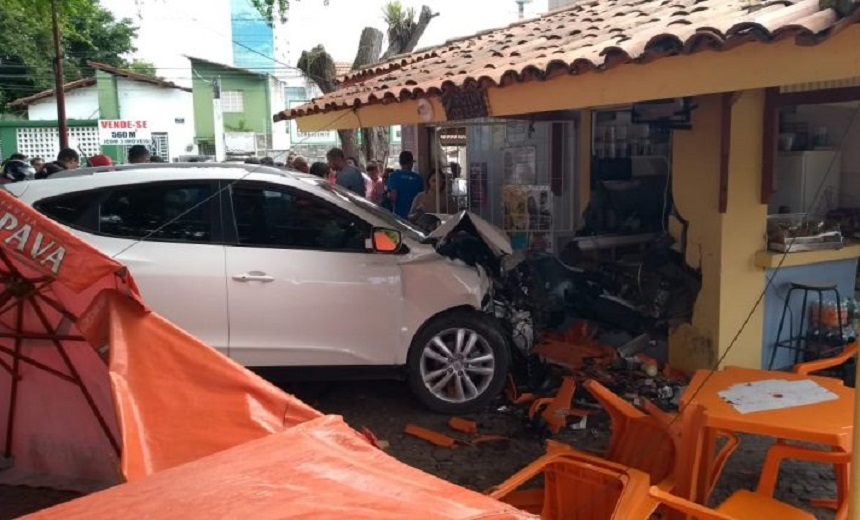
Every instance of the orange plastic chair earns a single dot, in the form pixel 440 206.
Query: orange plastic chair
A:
pixel 823 364
pixel 840 460
pixel 674 425
pixel 742 505
pixel 578 486
pixel 638 440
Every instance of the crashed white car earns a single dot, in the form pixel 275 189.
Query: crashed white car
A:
pixel 277 269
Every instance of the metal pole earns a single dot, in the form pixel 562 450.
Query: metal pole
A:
pixel 59 91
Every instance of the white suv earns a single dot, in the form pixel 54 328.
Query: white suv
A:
pixel 277 269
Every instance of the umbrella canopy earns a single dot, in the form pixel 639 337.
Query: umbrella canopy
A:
pixel 95 388
pixel 321 469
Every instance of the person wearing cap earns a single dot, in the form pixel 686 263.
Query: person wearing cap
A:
pixel 404 185
pixel 100 160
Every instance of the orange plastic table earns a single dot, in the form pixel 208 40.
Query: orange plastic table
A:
pixel 828 424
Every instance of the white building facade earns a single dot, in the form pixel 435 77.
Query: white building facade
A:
pixel 169 112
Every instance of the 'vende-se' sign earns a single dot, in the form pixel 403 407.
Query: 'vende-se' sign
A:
pixel 124 132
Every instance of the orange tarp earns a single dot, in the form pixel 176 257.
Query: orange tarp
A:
pixel 321 469
pixel 177 399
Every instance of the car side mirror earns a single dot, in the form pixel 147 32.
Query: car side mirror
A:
pixel 387 240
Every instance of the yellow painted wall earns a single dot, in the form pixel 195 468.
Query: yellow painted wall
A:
pixel 722 246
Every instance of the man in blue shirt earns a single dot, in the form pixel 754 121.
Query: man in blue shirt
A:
pixel 404 185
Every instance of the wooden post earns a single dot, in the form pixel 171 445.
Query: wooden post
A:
pixel 769 143
pixel 59 82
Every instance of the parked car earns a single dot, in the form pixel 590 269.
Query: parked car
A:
pixel 276 269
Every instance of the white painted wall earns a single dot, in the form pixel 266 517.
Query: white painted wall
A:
pixel 280 130
pixel 164 108
pixel 81 103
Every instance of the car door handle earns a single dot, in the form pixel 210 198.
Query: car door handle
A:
pixel 254 276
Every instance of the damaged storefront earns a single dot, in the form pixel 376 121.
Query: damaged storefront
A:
pixel 636 193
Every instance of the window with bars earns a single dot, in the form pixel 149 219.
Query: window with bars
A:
pixel 233 101
pixel 161 145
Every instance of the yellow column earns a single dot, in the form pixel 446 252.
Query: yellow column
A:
pixel 744 229
pixel 722 246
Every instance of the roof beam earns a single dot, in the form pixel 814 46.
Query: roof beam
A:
pixel 400 113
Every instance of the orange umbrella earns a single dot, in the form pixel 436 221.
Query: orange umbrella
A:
pixel 95 388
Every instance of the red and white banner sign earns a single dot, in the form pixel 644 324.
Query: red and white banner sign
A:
pixel 124 132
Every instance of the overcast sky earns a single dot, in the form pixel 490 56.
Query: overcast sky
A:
pixel 339 25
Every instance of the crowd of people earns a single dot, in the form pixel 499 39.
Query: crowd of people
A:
pixel 402 191
pixel 19 168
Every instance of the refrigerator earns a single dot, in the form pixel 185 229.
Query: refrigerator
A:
pixel 806 182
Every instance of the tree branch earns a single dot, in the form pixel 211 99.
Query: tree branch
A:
pixel 395 48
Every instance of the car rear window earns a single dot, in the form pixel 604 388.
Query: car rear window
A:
pixel 75 209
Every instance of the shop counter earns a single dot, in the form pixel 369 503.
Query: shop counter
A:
pixel 772 259
pixel 838 266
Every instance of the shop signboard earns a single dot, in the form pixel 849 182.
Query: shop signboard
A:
pixel 124 132
pixel 299 137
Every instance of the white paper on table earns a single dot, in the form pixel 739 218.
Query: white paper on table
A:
pixel 775 394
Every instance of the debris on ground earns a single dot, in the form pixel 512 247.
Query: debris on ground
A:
pixel 435 438
pixel 463 425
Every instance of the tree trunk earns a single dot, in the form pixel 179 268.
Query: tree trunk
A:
pixel 377 141
pixel 319 66
pixel 396 48
pixel 369 47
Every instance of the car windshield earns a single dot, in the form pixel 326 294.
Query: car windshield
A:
pixel 391 220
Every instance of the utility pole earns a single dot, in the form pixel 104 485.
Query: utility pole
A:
pixel 59 90
pixel 218 120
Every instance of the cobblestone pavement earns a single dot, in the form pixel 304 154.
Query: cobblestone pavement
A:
pixel 386 408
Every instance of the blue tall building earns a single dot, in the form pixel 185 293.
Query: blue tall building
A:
pixel 253 39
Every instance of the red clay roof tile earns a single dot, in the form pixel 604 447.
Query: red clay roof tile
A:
pixel 592 34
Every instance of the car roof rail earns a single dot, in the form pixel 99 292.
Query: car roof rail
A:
pixel 250 168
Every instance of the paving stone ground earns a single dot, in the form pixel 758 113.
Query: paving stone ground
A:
pixel 386 408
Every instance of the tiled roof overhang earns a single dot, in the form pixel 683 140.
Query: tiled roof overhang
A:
pixel 589 36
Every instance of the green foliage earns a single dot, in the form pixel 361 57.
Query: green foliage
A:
pixel 400 22
pixel 89 33
pixel 142 67
pixel 275 10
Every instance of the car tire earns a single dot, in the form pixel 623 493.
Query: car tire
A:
pixel 451 382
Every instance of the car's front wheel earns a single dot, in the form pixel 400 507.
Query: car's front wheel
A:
pixel 458 362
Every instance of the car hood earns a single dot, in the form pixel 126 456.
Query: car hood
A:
pixel 493 237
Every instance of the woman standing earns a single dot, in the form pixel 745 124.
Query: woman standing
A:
pixel 436 198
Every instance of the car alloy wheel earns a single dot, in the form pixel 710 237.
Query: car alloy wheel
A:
pixel 457 365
